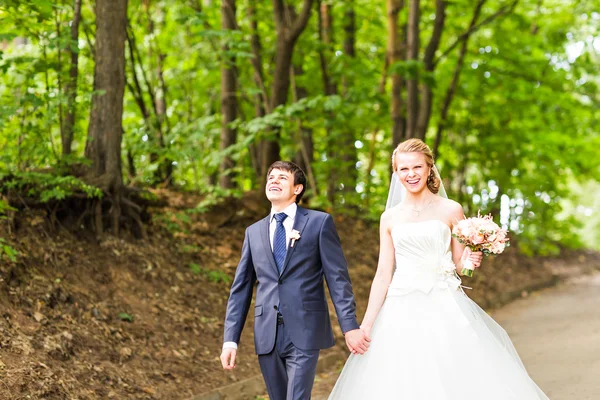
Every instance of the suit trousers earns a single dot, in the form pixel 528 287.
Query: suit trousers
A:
pixel 289 372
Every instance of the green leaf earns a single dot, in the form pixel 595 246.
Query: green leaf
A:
pixel 126 317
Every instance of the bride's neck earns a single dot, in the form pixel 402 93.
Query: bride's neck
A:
pixel 420 198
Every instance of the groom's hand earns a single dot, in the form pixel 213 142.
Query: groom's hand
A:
pixel 228 358
pixel 356 341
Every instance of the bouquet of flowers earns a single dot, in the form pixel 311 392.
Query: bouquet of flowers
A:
pixel 480 234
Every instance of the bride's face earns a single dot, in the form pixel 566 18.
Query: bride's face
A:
pixel 412 169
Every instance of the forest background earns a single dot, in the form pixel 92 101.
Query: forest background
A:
pixel 135 138
pixel 202 96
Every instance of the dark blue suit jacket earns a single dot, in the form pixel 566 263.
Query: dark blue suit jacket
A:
pixel 299 291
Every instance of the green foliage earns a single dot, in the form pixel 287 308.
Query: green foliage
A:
pixel 7 251
pixel 189 248
pixel 520 139
pixel 174 223
pixel 195 268
pixel 47 187
pixel 216 276
pixel 5 208
pixel 125 317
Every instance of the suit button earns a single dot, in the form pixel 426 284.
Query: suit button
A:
pixel 280 281
pixel 275 307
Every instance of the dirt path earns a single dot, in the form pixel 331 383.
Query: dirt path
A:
pixel 557 334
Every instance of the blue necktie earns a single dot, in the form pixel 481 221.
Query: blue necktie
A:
pixel 279 248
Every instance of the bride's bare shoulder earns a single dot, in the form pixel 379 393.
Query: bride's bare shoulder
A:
pixel 391 214
pixel 452 208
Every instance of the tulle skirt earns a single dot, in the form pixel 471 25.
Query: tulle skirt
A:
pixel 436 346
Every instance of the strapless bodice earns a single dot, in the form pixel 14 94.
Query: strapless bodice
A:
pixel 423 257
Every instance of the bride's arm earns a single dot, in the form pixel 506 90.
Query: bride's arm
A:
pixel 383 276
pixel 459 251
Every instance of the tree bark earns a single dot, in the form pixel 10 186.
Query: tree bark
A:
pixel 395 50
pixel 103 147
pixel 454 83
pixel 329 89
pixel 412 83
pixel 228 96
pixel 326 37
pixel 159 124
pixel 349 155
pixel 163 119
pixel 429 66
pixel 305 153
pixel 463 39
pixel 287 35
pixel 71 85
pixel 261 101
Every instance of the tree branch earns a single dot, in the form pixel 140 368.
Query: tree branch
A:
pixel 438 28
pixel 300 22
pixel 453 84
pixel 279 12
pixel 504 10
pixel 426 91
pixel 256 61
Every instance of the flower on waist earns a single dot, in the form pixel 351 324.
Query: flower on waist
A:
pixel 447 266
pixel 294 235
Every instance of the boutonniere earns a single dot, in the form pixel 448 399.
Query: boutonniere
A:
pixel 295 235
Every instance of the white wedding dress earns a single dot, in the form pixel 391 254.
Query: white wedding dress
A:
pixel 430 341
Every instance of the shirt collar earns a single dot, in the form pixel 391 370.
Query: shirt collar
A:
pixel 289 210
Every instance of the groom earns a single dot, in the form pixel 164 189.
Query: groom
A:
pixel 288 253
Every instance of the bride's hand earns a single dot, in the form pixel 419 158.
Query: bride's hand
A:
pixel 356 341
pixel 366 331
pixel 474 256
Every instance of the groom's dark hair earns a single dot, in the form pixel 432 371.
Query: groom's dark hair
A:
pixel 295 170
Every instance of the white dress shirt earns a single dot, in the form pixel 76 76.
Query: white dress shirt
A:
pixel 288 224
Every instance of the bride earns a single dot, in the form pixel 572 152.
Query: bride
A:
pixel 429 341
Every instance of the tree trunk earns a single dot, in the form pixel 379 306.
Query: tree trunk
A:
pixel 163 119
pixel 412 83
pixel 326 37
pixel 454 83
pixel 305 152
pixel 103 147
pixel 159 124
pixel 228 97
pixel 287 34
pixel 71 86
pixel 428 66
pixel 261 100
pixel 330 89
pixel 349 155
pixel 395 52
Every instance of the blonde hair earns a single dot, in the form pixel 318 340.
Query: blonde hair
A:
pixel 418 146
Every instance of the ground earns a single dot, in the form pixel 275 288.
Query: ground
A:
pixel 83 318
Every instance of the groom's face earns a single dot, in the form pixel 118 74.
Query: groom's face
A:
pixel 280 187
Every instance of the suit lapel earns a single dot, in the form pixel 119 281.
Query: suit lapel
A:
pixel 299 224
pixel 264 233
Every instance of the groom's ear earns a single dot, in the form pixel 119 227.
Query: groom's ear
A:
pixel 298 189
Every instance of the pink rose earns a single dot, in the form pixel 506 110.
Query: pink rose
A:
pixel 477 238
pixel 497 247
pixel 467 231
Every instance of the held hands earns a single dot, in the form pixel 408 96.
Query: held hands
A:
pixel 474 256
pixel 357 341
pixel 228 358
